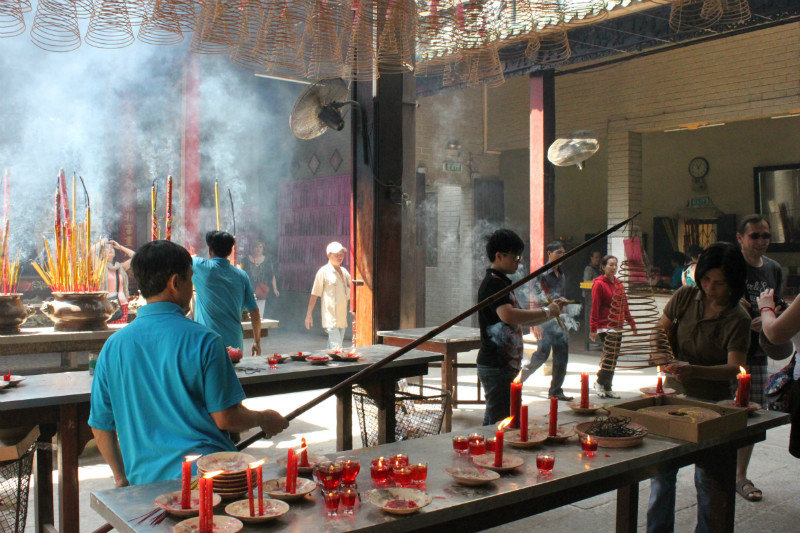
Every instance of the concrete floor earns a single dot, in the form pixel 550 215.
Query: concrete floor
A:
pixel 772 468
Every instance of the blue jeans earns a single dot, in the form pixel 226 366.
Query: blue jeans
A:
pixel 496 383
pixel 560 347
pixel 335 337
pixel 661 509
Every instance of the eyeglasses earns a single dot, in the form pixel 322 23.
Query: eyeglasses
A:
pixel 766 236
pixel 516 257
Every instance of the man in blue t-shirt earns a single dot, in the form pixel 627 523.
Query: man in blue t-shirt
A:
pixel 164 386
pixel 223 291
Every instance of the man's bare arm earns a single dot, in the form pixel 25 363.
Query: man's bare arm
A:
pixel 108 445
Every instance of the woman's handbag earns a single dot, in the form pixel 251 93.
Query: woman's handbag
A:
pixel 779 384
pixel 262 291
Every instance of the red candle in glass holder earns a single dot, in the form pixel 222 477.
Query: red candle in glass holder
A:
pixel 348 498
pixel 419 473
pixel 545 463
pixel 477 447
pixel 553 428
pixel 350 469
pixel 584 390
pixel 460 444
pixel 401 475
pixel 379 470
pixel 331 475
pixel 589 446
pixel 400 459
pixel 491 445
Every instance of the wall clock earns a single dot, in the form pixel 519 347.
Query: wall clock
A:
pixel 698 167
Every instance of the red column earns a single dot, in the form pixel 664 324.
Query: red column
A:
pixel 542 192
pixel 190 156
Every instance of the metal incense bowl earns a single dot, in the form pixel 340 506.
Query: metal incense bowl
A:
pixel 13 313
pixel 79 311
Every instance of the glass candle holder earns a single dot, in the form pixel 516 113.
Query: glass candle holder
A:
pixel 351 466
pixel 545 463
pixel 380 471
pixel 589 446
pixel 419 473
pixel 477 447
pixel 399 460
pixel 330 474
pixel 401 476
pixel 490 445
pixel 273 362
pixel 348 498
pixel 331 502
pixel 460 444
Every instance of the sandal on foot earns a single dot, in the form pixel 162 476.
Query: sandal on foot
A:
pixel 751 495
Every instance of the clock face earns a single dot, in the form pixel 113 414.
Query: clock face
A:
pixel 698 167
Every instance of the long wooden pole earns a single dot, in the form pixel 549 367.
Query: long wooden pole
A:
pixel 431 334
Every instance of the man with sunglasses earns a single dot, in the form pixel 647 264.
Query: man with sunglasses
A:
pixel 762 273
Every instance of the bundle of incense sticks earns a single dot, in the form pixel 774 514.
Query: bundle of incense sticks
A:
pixel 155 233
pixel 9 270
pixel 74 267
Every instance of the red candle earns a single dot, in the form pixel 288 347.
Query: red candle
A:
pixel 303 453
pixel 743 391
pixel 589 446
pixel 207 520
pixel 203 510
pixel 584 390
pixel 516 401
pixel 260 481
pixel 250 491
pixel 186 480
pixel 523 423
pixel 498 446
pixel 553 416
pixel 291 472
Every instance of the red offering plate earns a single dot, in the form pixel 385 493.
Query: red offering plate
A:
pixel 222 524
pixel 562 434
pixel 536 436
pixel 751 407
pixel 318 359
pixel 276 488
pixel 651 391
pixel 510 462
pixel 300 356
pixel 171 503
pixel 345 356
pixel 272 510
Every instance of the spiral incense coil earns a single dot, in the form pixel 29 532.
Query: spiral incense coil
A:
pixel 161 25
pixel 324 39
pixel 84 9
pixel 694 14
pixel 282 37
pixel 436 38
pixel 647 345
pixel 396 39
pixel 55 26
pixel 25 5
pixel 110 25
pixel 360 54
pixel 12 21
pixel 583 12
pixel 735 11
pixel 219 27
pixel 483 67
pixel 553 47
pixel 138 10
pixel 252 53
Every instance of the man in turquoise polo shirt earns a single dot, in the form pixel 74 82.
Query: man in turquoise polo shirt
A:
pixel 164 386
pixel 223 291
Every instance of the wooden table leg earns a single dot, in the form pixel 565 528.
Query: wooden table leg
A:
pixel 627 508
pixel 448 384
pixel 386 414
pixel 68 450
pixel 43 479
pixel 344 419
pixel 721 469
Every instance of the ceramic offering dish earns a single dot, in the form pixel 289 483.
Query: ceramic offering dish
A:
pixel 510 462
pixel 345 356
pixel 4 384
pixel 230 462
pixel 272 510
pixel 651 391
pixel 312 461
pixel 536 436
pixel 399 501
pixel 299 356
pixel 222 524
pixel 276 488
pixel 614 442
pixel 171 503
pixel 751 407
pixel 562 434
pixel 590 410
pixel 472 477
pixel 318 359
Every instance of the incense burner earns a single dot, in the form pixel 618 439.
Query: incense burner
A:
pixel 13 313
pixel 79 311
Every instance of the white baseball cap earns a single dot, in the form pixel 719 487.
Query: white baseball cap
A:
pixel 335 248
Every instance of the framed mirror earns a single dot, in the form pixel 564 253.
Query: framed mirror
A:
pixel 777 194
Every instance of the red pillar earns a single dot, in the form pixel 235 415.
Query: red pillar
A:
pixel 190 156
pixel 542 123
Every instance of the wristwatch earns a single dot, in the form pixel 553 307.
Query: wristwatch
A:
pixel 546 312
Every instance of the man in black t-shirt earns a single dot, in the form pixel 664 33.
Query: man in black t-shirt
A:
pixel 762 273
pixel 500 354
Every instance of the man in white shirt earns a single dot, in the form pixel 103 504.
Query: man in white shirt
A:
pixel 332 284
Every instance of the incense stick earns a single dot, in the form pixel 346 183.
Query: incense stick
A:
pixel 431 334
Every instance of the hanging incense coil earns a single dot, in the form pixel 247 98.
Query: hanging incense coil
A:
pixel 138 10
pixel 110 26
pixel 25 5
pixel 12 21
pixel 360 55
pixel 161 25
pixel 84 9
pixel 643 344
pixel 323 38
pixel 55 26
pixel 553 47
pixel 735 11
pixel 283 38
pixel 219 27
pixel 396 39
pixel 252 53
pixel 582 12
pixel 694 14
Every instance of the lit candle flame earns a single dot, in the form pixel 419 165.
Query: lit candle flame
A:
pixel 518 378
pixel 505 422
pixel 190 458
pixel 742 371
pixel 588 439
pixel 658 369
pixel 209 475
pixel 257 463
pixel 301 450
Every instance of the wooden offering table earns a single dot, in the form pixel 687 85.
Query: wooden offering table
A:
pixel 517 494
pixel 59 404
pixel 449 343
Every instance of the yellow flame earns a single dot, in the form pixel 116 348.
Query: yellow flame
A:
pixel 190 458
pixel 209 475
pixel 742 371
pixel 257 463
pixel 301 450
pixel 518 378
pixel 658 369
pixel 505 422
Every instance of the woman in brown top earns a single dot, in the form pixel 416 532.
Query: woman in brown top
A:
pixel 713 336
